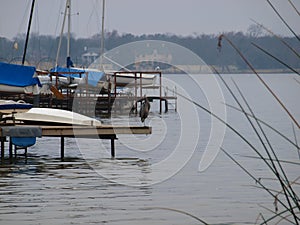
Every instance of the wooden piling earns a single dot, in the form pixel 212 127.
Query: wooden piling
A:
pixel 2 147
pixel 10 149
pixel 160 93
pixel 62 148
pixel 112 147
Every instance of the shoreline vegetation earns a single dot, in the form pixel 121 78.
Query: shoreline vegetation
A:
pixel 42 50
pixel 260 71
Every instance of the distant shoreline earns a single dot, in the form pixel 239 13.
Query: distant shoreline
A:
pixel 259 71
pixel 262 71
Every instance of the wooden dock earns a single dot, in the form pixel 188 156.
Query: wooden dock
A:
pixel 103 132
pixel 91 101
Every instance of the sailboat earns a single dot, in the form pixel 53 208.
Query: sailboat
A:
pixel 22 79
pixel 18 79
pixel 71 75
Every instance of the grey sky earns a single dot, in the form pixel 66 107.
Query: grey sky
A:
pixel 183 17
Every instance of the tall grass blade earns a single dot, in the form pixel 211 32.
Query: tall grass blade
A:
pixel 267 125
pixel 281 18
pixel 289 192
pixel 258 76
pixel 274 57
pixel 278 37
pixel 178 211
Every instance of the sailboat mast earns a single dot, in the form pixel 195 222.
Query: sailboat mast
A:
pixel 61 34
pixel 69 28
pixel 102 36
pixel 28 31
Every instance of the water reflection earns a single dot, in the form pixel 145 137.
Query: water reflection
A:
pixel 46 189
pixel 43 190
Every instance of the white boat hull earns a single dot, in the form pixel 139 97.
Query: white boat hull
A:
pixel 61 81
pixel 19 90
pixel 55 116
pixel 129 79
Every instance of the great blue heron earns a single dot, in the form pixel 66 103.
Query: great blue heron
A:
pixel 144 111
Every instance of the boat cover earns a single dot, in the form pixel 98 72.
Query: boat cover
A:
pixel 17 75
pixel 24 136
pixel 93 75
pixel 14 105
pixel 24 131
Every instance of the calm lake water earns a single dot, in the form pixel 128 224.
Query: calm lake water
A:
pixel 156 178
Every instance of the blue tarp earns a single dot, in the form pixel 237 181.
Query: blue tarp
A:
pixel 93 76
pixel 17 75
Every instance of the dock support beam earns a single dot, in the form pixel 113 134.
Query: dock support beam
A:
pixel 2 148
pixel 160 93
pixel 62 148
pixel 10 149
pixel 112 147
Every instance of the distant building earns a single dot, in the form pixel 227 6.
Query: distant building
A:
pixel 89 56
pixel 152 60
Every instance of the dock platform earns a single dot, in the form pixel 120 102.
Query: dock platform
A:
pixel 103 132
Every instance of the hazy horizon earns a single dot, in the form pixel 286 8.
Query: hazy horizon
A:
pixel 137 17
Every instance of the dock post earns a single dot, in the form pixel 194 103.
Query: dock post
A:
pixel 36 100
pixel 141 85
pixel 166 106
pixel 10 149
pixel 135 93
pixel 62 148
pixel 175 92
pixel 112 147
pixel 2 148
pixel 160 93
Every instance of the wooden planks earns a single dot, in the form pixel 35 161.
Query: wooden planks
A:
pixel 102 132
pixel 87 131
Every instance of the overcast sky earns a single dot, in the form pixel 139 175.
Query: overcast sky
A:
pixel 182 17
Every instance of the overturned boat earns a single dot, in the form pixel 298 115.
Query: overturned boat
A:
pixel 122 79
pixel 48 116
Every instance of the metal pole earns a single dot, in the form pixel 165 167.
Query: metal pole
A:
pixel 69 27
pixel 175 98
pixel 160 92
pixel 135 92
pixel 115 80
pixel 61 34
pixel 28 31
pixel 141 85
pixel 102 36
